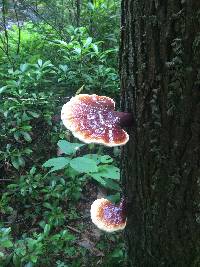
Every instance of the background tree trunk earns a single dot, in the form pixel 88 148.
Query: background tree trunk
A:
pixel 160 81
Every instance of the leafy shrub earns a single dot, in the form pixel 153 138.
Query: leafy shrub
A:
pixel 100 168
pixel 85 63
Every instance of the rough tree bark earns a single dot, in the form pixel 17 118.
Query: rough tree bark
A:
pixel 160 82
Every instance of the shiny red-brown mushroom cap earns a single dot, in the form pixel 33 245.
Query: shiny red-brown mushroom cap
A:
pixel 92 119
pixel 107 216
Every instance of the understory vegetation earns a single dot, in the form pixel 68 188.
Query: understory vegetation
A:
pixel 50 51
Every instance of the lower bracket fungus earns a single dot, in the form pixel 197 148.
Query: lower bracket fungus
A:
pixel 108 216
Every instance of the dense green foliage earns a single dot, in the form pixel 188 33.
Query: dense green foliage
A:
pixel 44 199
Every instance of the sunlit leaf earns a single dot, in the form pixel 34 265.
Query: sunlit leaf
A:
pixel 109 171
pixel 56 163
pixel 83 165
pixel 69 148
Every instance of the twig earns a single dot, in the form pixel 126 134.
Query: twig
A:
pixel 4 27
pixel 18 25
pixel 73 229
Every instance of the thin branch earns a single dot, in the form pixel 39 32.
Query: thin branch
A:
pixel 4 25
pixel 73 229
pixel 78 12
pixel 18 25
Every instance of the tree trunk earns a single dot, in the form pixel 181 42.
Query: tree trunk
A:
pixel 160 83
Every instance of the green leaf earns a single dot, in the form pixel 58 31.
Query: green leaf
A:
pixel 17 135
pixel 26 136
pixel 34 258
pixel 2 89
pixel 23 67
pixel 26 127
pixel 28 151
pixel 107 183
pixel 47 229
pixel 47 205
pixel 34 114
pixel 21 161
pixel 15 163
pixel 6 244
pixel 77 50
pixel 88 41
pixel 69 148
pixel 106 159
pixel 112 185
pixel 56 163
pixel 12 83
pixel 64 68
pixel 95 48
pixel 39 62
pixel 91 6
pixel 94 157
pixel 32 170
pixel 82 164
pixel 25 117
pixel 109 171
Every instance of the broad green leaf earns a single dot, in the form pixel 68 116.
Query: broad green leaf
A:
pixel 39 62
pixel 57 163
pixel 105 182
pixel 95 48
pixel 23 67
pixel 69 148
pixel 15 163
pixel 109 171
pixel 28 151
pixel 2 89
pixel 25 117
pixel 47 205
pixel 17 135
pixel 47 64
pixel 32 170
pixel 106 159
pixel 26 128
pixel 4 231
pixel 91 6
pixel 12 83
pixel 64 68
pixel 34 258
pixel 94 157
pixel 78 50
pixel 88 41
pixel 112 185
pixel 26 136
pixel 21 161
pixel 82 164
pixel 6 243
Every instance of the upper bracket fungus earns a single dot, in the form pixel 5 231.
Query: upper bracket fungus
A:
pixel 92 119
pixel 108 216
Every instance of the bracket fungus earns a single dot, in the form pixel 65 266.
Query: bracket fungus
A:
pixel 108 216
pixel 92 119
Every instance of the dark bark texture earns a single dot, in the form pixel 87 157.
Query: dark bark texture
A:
pixel 160 83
